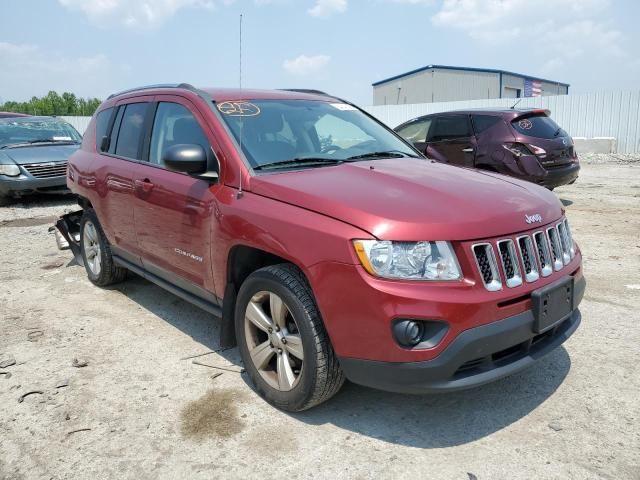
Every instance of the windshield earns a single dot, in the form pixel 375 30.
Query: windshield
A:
pixel 17 131
pixel 539 126
pixel 291 131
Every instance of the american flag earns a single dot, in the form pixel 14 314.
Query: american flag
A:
pixel 532 88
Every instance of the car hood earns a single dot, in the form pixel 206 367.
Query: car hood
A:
pixel 414 199
pixel 38 153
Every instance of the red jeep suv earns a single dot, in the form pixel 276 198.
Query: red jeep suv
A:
pixel 328 246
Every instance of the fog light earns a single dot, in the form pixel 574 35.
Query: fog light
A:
pixel 408 333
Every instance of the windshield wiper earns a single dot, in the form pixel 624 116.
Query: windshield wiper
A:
pixel 299 162
pixel 51 140
pixel 40 140
pixel 387 154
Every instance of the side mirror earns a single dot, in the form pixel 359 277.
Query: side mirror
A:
pixel 191 159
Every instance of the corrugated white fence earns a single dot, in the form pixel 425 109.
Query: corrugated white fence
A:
pixel 607 114
pixel 80 123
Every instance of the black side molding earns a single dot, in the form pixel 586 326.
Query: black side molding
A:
pixel 189 297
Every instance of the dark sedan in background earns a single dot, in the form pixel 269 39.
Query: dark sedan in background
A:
pixel 522 143
pixel 33 155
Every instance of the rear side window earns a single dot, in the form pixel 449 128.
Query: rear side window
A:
pixel 539 126
pixel 131 130
pixel 174 124
pixel 450 127
pixel 102 124
pixel 483 122
pixel 416 132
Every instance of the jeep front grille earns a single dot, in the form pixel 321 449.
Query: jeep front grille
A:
pixel 526 259
pixel 46 170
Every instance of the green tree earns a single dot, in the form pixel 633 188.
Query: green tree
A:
pixel 54 104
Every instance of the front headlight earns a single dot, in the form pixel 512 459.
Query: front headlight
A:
pixel 9 170
pixel 408 260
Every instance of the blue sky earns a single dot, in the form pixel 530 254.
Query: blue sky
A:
pixel 95 47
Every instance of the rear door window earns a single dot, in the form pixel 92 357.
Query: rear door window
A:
pixel 539 126
pixel 483 122
pixel 416 132
pixel 102 124
pixel 131 131
pixel 450 127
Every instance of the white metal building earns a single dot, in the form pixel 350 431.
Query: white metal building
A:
pixel 443 83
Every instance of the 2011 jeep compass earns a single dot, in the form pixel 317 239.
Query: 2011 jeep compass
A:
pixel 330 248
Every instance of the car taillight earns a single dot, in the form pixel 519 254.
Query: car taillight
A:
pixel 518 149
pixel 539 152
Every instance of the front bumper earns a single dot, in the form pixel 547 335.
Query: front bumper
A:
pixel 477 356
pixel 21 185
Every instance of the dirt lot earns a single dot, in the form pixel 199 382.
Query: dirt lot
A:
pixel 139 410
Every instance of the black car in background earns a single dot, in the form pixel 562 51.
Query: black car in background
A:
pixel 522 143
pixel 33 155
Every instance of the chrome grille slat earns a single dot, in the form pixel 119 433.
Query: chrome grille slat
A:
pixel 510 263
pixel 525 245
pixel 46 170
pixel 556 248
pixel 544 256
pixel 487 265
pixel 564 243
pixel 572 248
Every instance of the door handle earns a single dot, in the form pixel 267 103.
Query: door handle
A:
pixel 144 186
pixel 467 150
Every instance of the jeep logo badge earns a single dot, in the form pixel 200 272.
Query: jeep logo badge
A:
pixel 535 218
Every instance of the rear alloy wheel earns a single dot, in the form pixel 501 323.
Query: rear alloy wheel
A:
pixel 284 345
pixel 96 253
pixel 91 248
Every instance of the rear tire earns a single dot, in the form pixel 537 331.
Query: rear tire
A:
pixel 282 340
pixel 4 201
pixel 96 253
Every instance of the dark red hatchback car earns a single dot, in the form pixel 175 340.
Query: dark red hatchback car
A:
pixel 522 143
pixel 327 245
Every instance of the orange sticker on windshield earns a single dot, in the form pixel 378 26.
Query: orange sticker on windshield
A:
pixel 239 109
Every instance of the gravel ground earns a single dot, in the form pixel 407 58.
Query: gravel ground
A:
pixel 138 409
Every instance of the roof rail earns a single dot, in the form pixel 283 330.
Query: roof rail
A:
pixel 186 86
pixel 306 90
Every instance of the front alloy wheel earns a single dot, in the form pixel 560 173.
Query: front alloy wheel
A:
pixel 282 340
pixel 273 341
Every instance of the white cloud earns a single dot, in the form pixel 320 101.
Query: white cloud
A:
pixel 326 8
pixel 304 65
pixel 556 34
pixel 134 13
pixel 28 70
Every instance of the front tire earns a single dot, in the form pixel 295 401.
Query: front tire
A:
pixel 282 340
pixel 96 253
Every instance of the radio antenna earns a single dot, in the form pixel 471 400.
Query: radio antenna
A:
pixel 240 64
pixel 240 193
